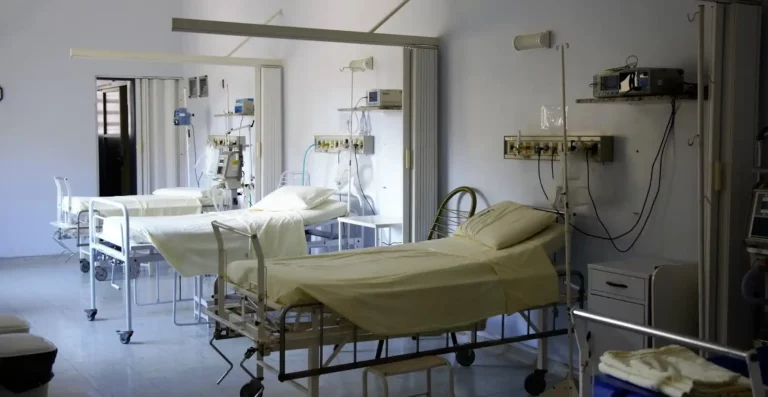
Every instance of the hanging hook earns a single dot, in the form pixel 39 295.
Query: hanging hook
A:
pixel 692 18
pixel 692 140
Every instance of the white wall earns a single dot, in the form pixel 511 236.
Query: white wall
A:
pixel 48 116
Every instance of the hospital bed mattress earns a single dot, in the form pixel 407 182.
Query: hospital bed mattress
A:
pixel 146 205
pixel 415 288
pixel 188 244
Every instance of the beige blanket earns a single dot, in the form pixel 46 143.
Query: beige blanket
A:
pixel 415 288
pixel 188 243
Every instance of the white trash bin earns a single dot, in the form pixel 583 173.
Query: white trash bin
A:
pixel 26 365
pixel 13 325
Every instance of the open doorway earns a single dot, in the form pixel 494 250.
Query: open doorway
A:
pixel 116 120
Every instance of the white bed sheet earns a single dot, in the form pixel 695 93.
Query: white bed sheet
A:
pixel 188 243
pixel 112 227
pixel 146 205
pixel 328 210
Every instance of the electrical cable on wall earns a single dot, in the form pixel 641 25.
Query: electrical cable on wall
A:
pixel 658 158
pixel 194 151
pixel 360 183
pixel 665 140
pixel 304 163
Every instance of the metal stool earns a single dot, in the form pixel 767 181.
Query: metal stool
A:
pixel 403 367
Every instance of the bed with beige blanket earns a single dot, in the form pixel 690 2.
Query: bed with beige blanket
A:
pixel 413 288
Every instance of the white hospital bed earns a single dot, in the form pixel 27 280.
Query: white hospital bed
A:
pixel 71 222
pixel 187 243
pixel 433 287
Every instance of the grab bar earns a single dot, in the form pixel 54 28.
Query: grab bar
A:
pixel 683 340
pixel 584 340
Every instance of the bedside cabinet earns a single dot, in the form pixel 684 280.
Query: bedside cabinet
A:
pixel 651 292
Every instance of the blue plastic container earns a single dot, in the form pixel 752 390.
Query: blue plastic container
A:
pixel 608 386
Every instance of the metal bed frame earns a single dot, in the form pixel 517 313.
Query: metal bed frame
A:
pixel 137 254
pixel 581 318
pixel 69 226
pixel 311 326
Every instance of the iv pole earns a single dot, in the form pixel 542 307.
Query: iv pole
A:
pixel 567 226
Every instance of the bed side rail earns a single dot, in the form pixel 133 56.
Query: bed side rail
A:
pixel 95 219
pixel 63 190
pixel 582 317
pixel 221 280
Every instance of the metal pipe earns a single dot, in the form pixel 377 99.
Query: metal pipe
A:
pixel 388 16
pixel 681 339
pixel 712 165
pixel 283 376
pixel 700 118
pixel 242 43
pixel 567 211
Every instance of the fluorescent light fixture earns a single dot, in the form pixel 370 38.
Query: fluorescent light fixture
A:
pixel 533 41
pixel 296 33
pixel 83 53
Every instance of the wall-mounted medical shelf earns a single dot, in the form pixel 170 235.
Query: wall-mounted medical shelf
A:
pixel 639 99
pixel 232 115
pixel 370 108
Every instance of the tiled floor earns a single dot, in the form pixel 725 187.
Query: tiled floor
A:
pixel 166 360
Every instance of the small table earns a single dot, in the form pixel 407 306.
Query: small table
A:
pixel 375 222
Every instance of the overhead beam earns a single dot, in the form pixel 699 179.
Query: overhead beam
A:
pixel 294 33
pixel 83 53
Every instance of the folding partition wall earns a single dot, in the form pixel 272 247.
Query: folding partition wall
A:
pixel 420 138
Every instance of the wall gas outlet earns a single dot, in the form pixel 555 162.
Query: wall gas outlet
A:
pixel 528 147
pixel 338 143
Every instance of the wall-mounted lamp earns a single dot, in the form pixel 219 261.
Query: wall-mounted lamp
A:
pixel 533 41
pixel 360 65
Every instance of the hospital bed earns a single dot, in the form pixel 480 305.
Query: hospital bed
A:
pixel 71 222
pixel 436 287
pixel 187 243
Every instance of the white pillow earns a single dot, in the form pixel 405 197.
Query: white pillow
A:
pixel 294 198
pixel 190 192
pixel 505 224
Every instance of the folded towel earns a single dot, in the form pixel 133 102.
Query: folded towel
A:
pixel 674 371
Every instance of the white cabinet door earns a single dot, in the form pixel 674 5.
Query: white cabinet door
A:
pixel 609 338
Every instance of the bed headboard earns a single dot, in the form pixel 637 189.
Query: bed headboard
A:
pixel 293 178
pixel 448 219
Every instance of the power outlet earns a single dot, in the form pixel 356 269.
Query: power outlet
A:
pixel 531 147
pixel 339 143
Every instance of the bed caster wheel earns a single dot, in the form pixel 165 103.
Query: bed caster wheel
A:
pixel 253 388
pixel 465 358
pixel 100 273
pixel 90 314
pixel 125 336
pixel 85 266
pixel 535 383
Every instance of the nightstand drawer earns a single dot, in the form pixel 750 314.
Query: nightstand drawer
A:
pixel 617 284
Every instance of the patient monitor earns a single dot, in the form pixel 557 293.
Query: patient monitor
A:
pixel 227 170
